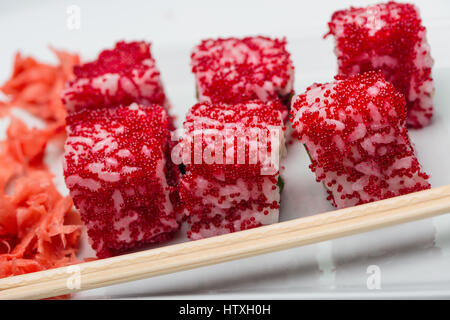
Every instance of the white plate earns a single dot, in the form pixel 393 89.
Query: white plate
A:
pixel 412 260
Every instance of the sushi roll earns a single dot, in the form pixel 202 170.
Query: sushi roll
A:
pixel 389 37
pixel 119 76
pixel 354 131
pixel 231 154
pixel 235 70
pixel 116 168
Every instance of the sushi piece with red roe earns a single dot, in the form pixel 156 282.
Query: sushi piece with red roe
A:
pixel 389 37
pixel 119 76
pixel 116 168
pixel 231 154
pixel 232 70
pixel 354 131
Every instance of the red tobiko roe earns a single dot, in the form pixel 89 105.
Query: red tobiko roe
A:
pixel 123 59
pixel 354 131
pixel 117 170
pixel 232 70
pixel 389 37
pixel 120 76
pixel 223 196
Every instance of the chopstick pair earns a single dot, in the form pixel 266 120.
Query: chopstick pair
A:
pixel 190 255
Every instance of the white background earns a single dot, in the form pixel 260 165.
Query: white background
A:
pixel 414 259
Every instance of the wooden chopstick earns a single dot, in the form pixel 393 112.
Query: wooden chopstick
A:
pixel 189 255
